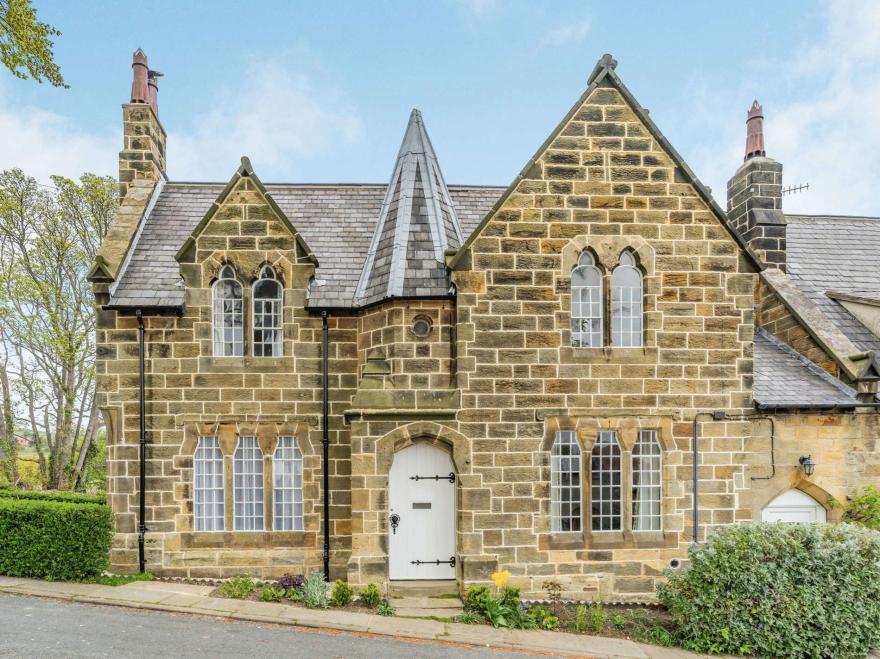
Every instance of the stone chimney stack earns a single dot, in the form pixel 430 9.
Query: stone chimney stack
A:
pixel 143 152
pixel 754 196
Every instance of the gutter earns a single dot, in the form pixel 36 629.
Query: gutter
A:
pixel 325 435
pixel 142 448
pixel 815 407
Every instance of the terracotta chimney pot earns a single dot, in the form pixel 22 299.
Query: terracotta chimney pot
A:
pixel 140 92
pixel 755 132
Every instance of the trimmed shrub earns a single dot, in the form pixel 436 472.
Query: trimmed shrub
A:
pixel 342 594
pixel 780 590
pixel 239 587
pixel 864 509
pixel 53 495
pixel 371 595
pixel 54 540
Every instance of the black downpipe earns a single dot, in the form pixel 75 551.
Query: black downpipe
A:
pixel 772 449
pixel 325 438
pixel 142 449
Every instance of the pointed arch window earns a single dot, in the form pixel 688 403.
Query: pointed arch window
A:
pixel 267 325
pixel 247 493
pixel 646 482
pixel 208 510
pixel 606 495
pixel 287 493
pixel 228 320
pixel 565 483
pixel 626 303
pixel 586 303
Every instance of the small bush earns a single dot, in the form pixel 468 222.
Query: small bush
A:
pixel 53 495
pixel 509 596
pixel 580 619
pixel 271 594
pixel 342 594
pixel 54 540
pixel 476 598
pixel 385 609
pixel 289 582
pixel 598 617
pixel 314 591
pixel 864 509
pixel 239 587
pixel 371 596
pixel 780 590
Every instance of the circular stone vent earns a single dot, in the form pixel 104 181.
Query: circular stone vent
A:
pixel 422 326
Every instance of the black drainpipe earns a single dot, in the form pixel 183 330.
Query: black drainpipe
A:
pixel 325 438
pixel 142 453
pixel 716 416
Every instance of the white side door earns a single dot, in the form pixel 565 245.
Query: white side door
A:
pixel 794 507
pixel 421 533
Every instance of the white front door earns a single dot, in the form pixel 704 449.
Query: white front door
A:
pixel 421 530
pixel 795 507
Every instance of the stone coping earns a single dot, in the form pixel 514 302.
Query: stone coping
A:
pixel 175 597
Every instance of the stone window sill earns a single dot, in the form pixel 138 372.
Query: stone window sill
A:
pixel 607 355
pixel 245 364
pixel 245 539
pixel 609 540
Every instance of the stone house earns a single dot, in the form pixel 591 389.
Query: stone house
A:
pixel 417 380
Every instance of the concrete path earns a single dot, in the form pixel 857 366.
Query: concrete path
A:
pixel 184 598
pixel 426 607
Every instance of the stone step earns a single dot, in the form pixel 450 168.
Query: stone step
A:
pixel 424 588
pixel 426 602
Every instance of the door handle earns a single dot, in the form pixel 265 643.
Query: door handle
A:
pixel 395 520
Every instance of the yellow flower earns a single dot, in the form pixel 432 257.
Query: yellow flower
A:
pixel 500 578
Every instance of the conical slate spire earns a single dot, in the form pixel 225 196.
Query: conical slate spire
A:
pixel 417 224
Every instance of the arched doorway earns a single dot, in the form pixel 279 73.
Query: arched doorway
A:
pixel 795 507
pixel 421 494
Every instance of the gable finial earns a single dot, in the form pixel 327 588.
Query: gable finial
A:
pixel 755 131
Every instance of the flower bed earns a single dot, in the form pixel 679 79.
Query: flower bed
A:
pixel 309 591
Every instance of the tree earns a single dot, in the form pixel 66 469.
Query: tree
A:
pixel 48 239
pixel 26 43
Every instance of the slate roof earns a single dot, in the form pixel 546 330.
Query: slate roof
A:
pixel 838 254
pixel 337 221
pixel 786 379
pixel 417 224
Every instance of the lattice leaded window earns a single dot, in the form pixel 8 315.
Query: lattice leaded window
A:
pixel 646 482
pixel 606 502
pixel 626 303
pixel 586 303
pixel 565 483
pixel 267 315
pixel 248 485
pixel 208 485
pixel 287 479
pixel 228 320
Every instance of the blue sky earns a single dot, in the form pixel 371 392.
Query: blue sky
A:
pixel 322 91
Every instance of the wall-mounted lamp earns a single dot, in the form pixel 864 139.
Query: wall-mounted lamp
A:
pixel 807 464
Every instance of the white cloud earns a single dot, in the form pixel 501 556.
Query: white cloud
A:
pixel 274 116
pixel 567 35
pixel 820 105
pixel 43 143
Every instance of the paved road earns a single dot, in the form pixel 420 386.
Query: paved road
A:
pixel 32 627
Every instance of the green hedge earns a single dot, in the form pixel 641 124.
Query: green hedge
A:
pixel 54 540
pixel 780 590
pixel 53 495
